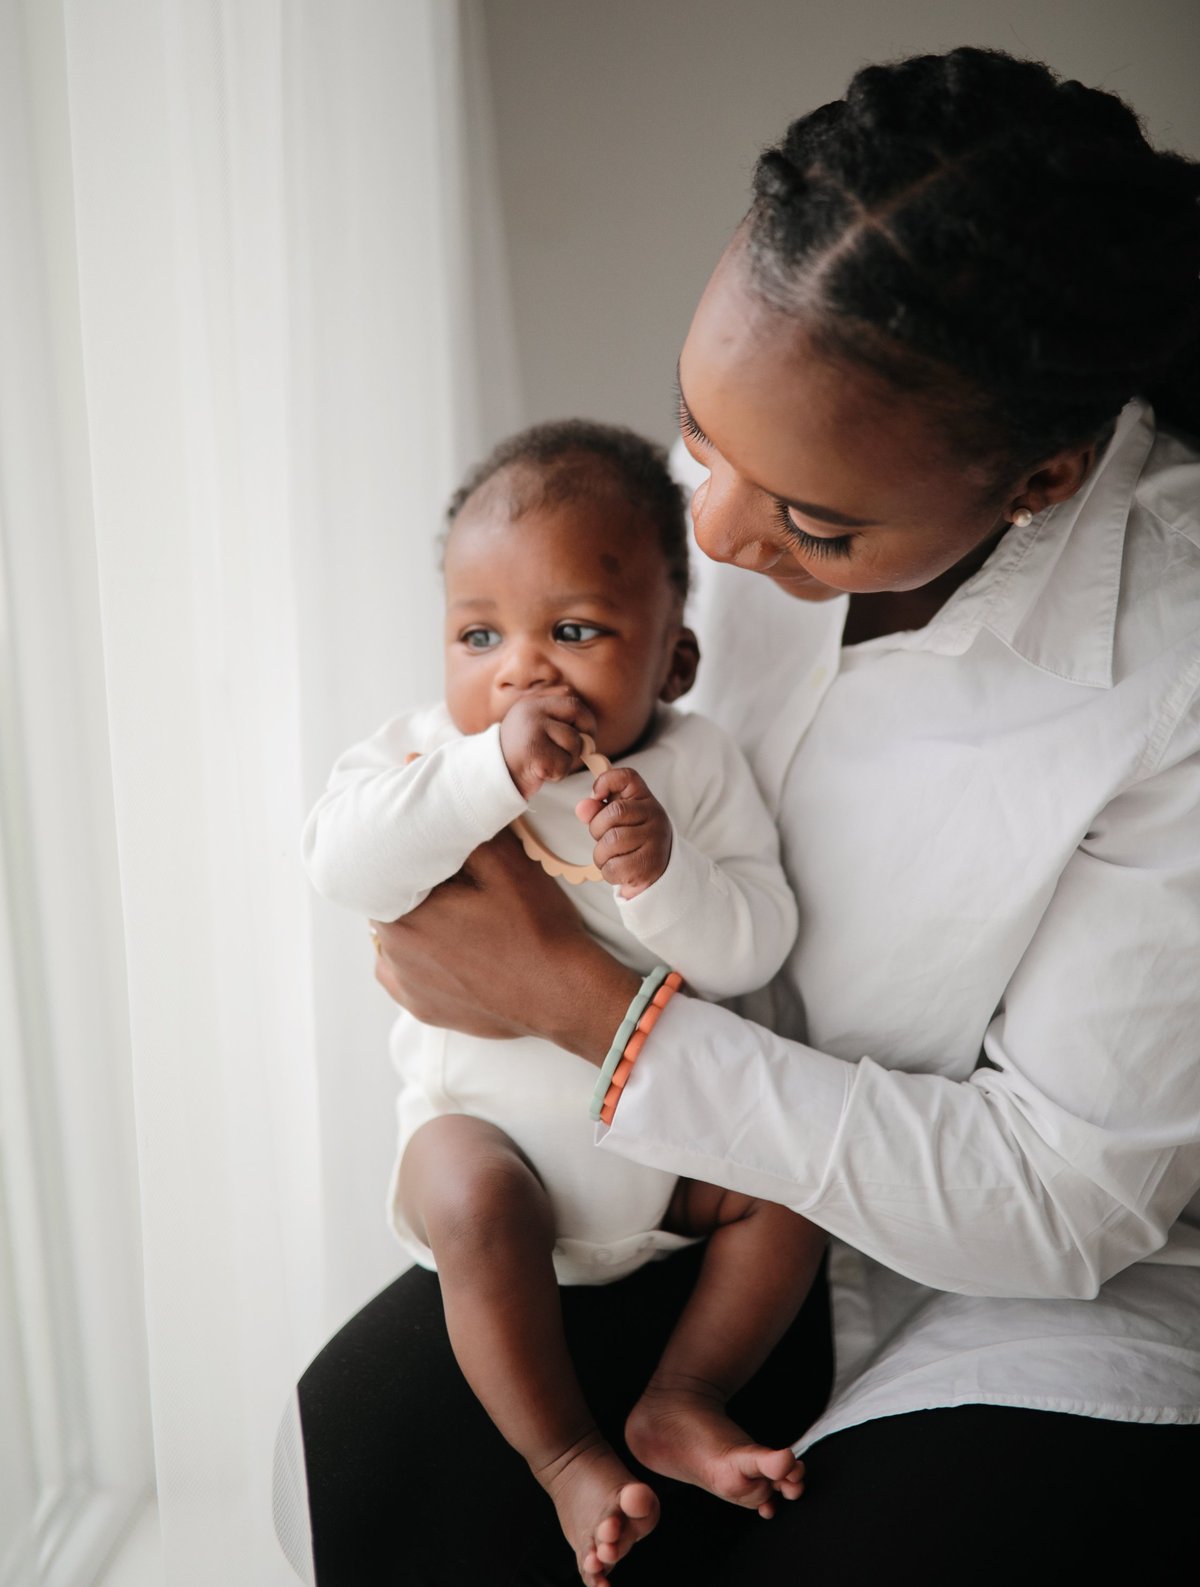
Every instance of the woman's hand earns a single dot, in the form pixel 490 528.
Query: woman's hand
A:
pixel 499 951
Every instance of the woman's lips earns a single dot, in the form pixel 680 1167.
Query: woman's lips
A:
pixel 803 585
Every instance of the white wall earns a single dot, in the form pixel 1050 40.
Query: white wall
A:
pixel 628 131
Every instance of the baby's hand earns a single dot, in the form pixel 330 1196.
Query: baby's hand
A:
pixel 632 830
pixel 540 737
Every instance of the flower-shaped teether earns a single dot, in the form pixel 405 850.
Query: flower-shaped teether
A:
pixel 538 851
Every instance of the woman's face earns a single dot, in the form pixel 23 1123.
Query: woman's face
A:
pixel 821 475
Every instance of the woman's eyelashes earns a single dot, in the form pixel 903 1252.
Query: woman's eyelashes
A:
pixel 687 425
pixel 811 545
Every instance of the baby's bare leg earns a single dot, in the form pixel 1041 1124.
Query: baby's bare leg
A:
pixel 761 1261
pixel 471 1196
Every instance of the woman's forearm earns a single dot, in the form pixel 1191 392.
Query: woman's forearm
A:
pixel 970 1186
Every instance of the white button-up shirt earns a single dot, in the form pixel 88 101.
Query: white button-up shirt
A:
pixel 992 825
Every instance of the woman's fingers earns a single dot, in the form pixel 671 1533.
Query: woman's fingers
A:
pixel 499 951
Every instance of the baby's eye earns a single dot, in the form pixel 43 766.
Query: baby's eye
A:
pixel 576 633
pixel 479 638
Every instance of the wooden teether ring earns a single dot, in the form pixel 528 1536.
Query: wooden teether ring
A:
pixel 538 851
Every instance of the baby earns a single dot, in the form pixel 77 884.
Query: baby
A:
pixel 565 568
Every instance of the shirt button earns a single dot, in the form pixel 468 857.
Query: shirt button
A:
pixel 604 1258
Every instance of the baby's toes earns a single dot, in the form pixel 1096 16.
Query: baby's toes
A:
pixel 640 1504
pixel 791 1487
pixel 781 1465
pixel 593 1569
pixel 609 1529
pixel 607 1548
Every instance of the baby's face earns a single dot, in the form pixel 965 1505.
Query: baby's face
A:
pixel 575 594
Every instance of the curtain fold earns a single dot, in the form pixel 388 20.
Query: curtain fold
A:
pixel 279 268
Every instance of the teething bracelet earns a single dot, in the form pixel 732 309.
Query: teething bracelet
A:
pixel 655 992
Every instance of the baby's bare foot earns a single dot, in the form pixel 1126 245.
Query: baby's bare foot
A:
pixel 603 1512
pixel 683 1432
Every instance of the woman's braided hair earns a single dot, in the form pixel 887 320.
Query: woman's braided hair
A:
pixel 970 226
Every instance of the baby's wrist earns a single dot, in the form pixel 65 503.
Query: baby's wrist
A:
pixel 630 890
pixel 525 782
pixel 650 866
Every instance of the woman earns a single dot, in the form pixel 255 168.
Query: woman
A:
pixel 921 378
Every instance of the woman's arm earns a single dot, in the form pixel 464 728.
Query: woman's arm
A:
pixel 1064 1159
pixel 1067 1160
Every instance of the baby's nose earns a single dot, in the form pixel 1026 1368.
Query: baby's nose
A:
pixel 528 664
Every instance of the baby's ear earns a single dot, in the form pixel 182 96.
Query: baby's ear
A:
pixel 681 674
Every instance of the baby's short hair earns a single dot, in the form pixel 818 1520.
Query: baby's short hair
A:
pixel 580 460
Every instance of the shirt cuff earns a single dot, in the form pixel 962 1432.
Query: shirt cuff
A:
pixel 717 1098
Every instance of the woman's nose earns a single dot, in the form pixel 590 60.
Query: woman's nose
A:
pixel 527 663
pixel 729 522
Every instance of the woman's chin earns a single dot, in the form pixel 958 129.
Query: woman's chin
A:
pixel 803 587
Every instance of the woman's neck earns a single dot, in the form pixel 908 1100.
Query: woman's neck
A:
pixel 894 611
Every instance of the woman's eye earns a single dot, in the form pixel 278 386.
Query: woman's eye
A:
pixel 811 545
pixel 480 638
pixel 687 425
pixel 576 633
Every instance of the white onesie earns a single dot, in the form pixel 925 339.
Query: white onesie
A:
pixel 386 831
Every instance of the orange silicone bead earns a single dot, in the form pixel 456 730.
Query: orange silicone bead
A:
pixel 634 1046
pixel 620 1074
pixel 649 1019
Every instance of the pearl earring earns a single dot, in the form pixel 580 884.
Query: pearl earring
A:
pixel 1021 518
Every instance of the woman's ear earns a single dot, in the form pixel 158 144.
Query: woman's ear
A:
pixel 1055 480
pixel 681 673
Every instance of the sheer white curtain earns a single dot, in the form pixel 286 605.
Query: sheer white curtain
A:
pixel 292 332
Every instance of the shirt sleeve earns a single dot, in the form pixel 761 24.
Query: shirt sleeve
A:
pixel 385 832
pixel 1066 1157
pixel 722 913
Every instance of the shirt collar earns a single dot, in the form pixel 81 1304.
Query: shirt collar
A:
pixel 1049 591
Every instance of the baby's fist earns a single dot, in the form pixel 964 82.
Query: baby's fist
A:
pixel 631 830
pixel 540 737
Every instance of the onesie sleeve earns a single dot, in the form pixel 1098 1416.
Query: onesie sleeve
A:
pixel 387 830
pixel 722 913
pixel 1071 1153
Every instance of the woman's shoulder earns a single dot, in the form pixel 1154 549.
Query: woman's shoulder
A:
pixel 1169 487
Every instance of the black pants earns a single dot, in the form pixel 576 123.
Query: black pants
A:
pixel 411 1486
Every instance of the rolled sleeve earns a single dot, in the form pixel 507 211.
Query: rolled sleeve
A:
pixel 718 1098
